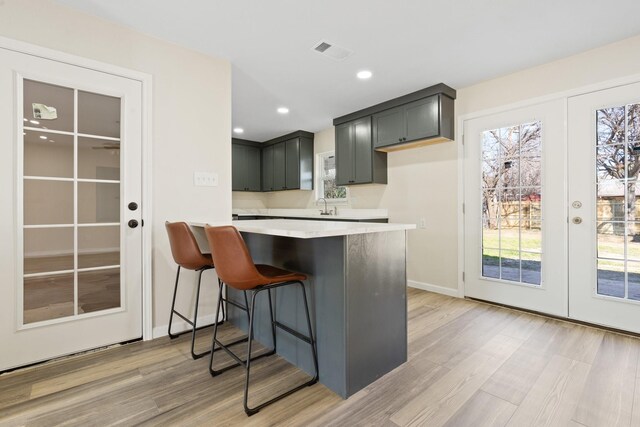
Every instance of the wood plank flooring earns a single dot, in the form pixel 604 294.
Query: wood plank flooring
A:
pixel 470 364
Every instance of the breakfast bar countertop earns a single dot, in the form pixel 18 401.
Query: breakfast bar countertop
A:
pixel 309 229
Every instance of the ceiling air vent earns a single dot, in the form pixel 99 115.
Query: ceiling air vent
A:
pixel 332 51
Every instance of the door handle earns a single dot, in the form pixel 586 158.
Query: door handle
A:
pixel 577 220
pixel 132 206
pixel 132 223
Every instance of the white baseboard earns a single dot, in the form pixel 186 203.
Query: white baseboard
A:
pixel 180 325
pixel 434 288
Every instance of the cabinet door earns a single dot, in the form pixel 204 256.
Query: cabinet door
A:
pixel 238 167
pixel 279 166
pixel 253 168
pixel 267 169
pixel 292 169
pixel 344 154
pixel 389 127
pixel 363 150
pixel 422 118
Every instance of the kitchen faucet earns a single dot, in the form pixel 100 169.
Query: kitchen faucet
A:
pixel 326 210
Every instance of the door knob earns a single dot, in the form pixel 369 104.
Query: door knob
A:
pixel 132 206
pixel 132 223
pixel 577 220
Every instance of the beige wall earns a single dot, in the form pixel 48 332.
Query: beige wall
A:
pixel 423 182
pixel 191 121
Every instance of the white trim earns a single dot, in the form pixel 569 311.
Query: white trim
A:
pixel 40 254
pixel 147 133
pixel 434 288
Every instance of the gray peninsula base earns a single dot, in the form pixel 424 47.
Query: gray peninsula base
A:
pixel 357 293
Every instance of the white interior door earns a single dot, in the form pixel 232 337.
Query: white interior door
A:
pixel 70 266
pixel 604 229
pixel 515 208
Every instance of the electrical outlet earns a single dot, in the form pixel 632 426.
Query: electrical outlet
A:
pixel 205 179
pixel 423 223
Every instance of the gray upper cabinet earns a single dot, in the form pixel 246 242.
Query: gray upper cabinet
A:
pixel 245 167
pixel 429 118
pixel 356 161
pixel 292 164
pixel 287 163
pixel 267 168
pixel 279 182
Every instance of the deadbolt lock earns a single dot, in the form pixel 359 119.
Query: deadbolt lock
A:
pixel 577 220
pixel 577 204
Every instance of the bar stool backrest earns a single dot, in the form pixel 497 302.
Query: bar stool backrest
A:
pixel 184 246
pixel 234 265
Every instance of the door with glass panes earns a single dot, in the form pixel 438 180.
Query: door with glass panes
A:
pixel 604 207
pixel 70 262
pixel 515 208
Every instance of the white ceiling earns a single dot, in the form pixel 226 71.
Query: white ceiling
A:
pixel 408 44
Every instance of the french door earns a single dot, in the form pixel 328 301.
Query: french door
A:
pixel 552 219
pixel 70 262
pixel 515 215
pixel 604 210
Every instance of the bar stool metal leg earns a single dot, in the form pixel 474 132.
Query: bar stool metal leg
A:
pixel 309 339
pixel 173 304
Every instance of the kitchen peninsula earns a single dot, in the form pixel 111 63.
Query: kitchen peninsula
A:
pixel 356 288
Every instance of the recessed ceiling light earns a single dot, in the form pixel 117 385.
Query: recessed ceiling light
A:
pixel 238 130
pixel 364 74
pixel 35 122
pixel 43 137
pixel 283 110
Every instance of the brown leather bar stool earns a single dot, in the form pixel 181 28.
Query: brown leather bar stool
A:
pixel 235 268
pixel 187 255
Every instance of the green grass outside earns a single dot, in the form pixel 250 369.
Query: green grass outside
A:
pixel 610 246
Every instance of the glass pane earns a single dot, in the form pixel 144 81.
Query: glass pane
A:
pixel 48 297
pixel 98 290
pixel 490 145
pixel 48 249
pixel 530 238
pixel 490 232
pixel 47 106
pixel 491 263
pixel 98 159
pixel 490 205
pixel 530 172
pixel 510 172
pixel 610 202
pixel 611 240
pixel 509 141
pixel 610 162
pixel 531 139
pixel 510 265
pixel 531 267
pixel 98 202
pixel 491 173
pixel 633 241
pixel 98 246
pixel 610 123
pixel 510 237
pixel 48 154
pixel 633 269
pixel 633 122
pixel 48 202
pixel 632 207
pixel 98 114
pixel 611 278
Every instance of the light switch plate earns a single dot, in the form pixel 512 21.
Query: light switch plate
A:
pixel 205 179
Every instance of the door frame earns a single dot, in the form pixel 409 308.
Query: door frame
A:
pixel 147 185
pixel 564 95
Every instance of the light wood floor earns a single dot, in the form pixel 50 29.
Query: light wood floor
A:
pixel 470 364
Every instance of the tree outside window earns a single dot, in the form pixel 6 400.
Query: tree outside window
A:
pixel 326 184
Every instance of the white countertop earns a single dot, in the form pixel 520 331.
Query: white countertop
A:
pixel 343 213
pixel 309 229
